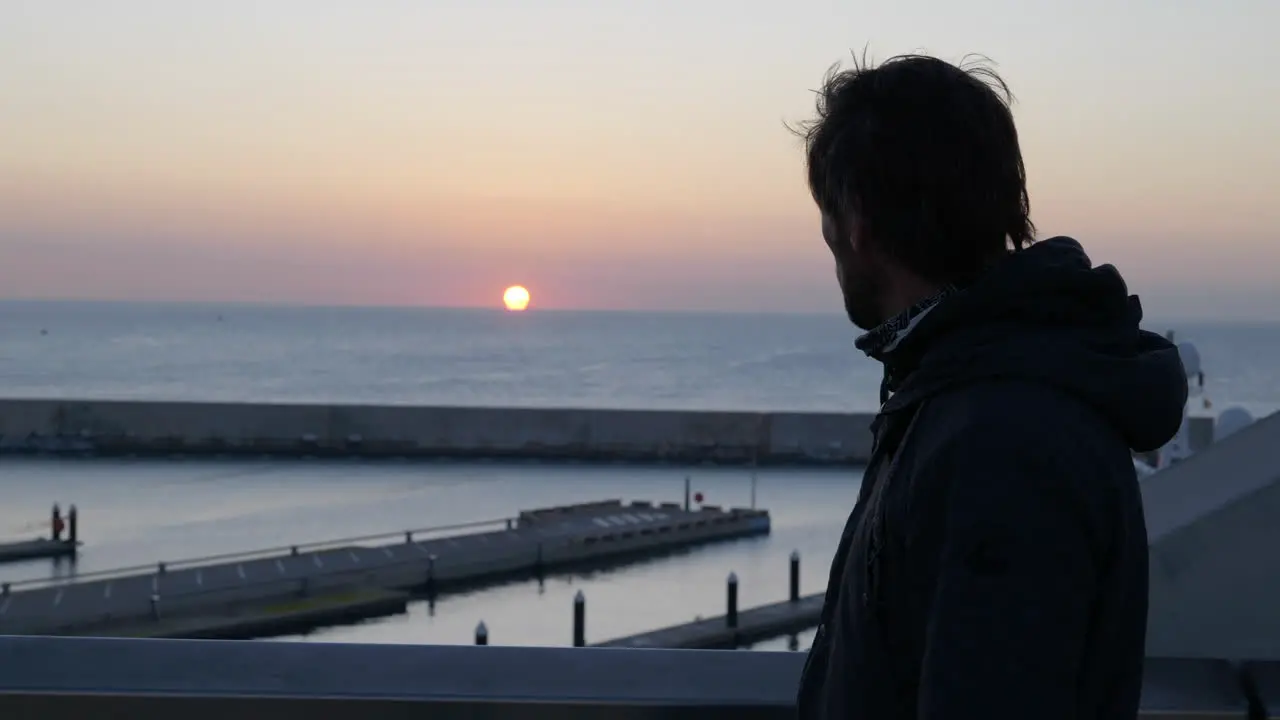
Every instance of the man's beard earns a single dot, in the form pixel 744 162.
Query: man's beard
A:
pixel 861 291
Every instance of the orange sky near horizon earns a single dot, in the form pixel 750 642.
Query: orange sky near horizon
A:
pixel 630 156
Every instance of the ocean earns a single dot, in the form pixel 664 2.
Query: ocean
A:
pixel 145 511
pixel 490 357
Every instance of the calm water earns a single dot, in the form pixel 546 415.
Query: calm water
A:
pixel 145 511
pixel 479 357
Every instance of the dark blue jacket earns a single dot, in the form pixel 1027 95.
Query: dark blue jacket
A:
pixel 995 565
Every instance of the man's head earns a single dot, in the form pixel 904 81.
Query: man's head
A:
pixel 916 169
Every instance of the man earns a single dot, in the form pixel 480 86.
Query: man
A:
pixel 995 564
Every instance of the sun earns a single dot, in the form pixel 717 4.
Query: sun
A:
pixel 516 298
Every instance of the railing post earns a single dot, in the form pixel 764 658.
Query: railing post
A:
pixel 155 606
pixel 579 620
pixel 482 634
pixel 731 617
pixel 795 575
pixel 72 522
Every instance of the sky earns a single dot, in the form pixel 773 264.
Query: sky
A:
pixel 629 154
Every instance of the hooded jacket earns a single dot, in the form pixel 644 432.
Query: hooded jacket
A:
pixel 995 564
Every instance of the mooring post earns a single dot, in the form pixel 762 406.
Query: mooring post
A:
pixel 731 617
pixel 293 550
pixel 408 537
pixel 753 489
pixel 72 521
pixel 508 523
pixel 482 634
pixel 686 493
pixel 161 568
pixel 795 576
pixel 579 620
pixel 55 523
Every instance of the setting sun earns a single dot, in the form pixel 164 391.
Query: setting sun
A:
pixel 516 298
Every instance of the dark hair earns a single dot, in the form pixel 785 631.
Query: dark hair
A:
pixel 924 156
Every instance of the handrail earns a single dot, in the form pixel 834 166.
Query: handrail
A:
pixel 145 679
pixel 287 550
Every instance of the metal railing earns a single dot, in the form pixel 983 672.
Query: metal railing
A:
pixel 426 533
pixel 163 679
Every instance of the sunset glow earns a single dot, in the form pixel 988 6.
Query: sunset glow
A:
pixel 516 298
pixel 636 156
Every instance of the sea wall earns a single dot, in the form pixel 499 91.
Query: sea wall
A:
pixel 168 428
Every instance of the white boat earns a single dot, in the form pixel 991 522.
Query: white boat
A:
pixel 1190 438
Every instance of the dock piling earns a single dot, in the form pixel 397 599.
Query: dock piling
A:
pixel 795 576
pixel 579 620
pixel 731 616
pixel 55 523
pixel 482 634
pixel 72 521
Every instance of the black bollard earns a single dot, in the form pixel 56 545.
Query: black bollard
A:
pixel 408 537
pixel 293 550
pixel 431 575
pixel 795 575
pixel 482 634
pixel 55 523
pixel 579 620
pixel 161 568
pixel 72 521
pixel 731 617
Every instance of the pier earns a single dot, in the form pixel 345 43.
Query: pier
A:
pixel 54 546
pixel 143 428
pixel 736 627
pixel 219 596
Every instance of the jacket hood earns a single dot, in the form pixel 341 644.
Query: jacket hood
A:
pixel 1045 314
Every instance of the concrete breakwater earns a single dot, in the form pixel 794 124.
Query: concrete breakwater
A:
pixel 109 427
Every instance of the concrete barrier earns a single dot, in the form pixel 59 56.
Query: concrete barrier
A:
pixel 142 428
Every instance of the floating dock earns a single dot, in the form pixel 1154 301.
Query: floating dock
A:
pixel 219 587
pixel 37 548
pixel 755 624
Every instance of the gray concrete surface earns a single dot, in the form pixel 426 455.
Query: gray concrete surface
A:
pixel 595 533
pixel 1212 521
pixel 127 427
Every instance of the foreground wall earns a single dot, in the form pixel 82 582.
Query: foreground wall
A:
pixel 129 427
